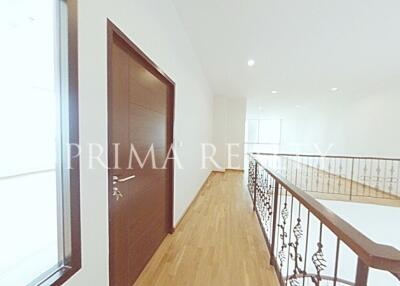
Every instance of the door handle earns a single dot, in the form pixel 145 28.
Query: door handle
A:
pixel 116 179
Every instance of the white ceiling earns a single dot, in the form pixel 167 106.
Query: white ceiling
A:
pixel 301 47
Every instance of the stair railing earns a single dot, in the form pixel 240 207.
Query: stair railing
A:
pixel 362 179
pixel 307 242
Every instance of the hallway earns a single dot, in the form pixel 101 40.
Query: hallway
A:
pixel 218 242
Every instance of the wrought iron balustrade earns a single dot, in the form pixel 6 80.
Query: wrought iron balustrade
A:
pixel 308 243
pixel 363 179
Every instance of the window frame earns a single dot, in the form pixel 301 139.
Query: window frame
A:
pixel 249 146
pixel 258 132
pixel 69 221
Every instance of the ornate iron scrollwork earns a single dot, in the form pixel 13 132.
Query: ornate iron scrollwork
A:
pixel 319 263
pixel 251 176
pixel 264 198
pixel 295 255
pixel 283 235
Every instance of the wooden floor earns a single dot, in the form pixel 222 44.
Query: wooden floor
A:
pixel 218 242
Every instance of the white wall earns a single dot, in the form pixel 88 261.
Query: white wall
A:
pixel 219 131
pixel 336 124
pixel 155 27
pixel 229 128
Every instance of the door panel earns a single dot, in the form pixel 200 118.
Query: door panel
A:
pixel 147 98
pixel 140 114
pixel 148 126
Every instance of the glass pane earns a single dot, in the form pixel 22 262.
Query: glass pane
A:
pixel 252 131
pixel 28 149
pixel 270 131
pixel 262 148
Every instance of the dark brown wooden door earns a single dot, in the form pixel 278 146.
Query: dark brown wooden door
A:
pixel 140 125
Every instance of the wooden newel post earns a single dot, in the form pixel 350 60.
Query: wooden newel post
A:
pixel 362 273
pixel 255 186
pixel 274 222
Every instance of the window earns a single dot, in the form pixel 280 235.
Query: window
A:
pixel 263 135
pixel 39 182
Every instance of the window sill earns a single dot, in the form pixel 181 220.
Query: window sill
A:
pixel 57 278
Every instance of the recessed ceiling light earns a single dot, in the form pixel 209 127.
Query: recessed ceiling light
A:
pixel 298 106
pixel 274 92
pixel 251 62
pixel 334 89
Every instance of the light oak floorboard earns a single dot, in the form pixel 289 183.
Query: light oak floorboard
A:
pixel 219 242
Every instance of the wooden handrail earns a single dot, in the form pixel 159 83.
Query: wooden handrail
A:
pixel 373 254
pixel 324 156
